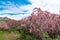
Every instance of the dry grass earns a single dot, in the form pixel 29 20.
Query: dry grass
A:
pixel 8 36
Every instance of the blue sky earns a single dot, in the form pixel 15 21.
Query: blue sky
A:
pixel 18 9
pixel 12 3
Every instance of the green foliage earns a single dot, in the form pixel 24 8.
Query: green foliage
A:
pixel 44 36
pixel 25 35
pixel 12 29
pixel 22 34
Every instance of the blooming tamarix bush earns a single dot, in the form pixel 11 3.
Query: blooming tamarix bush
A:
pixel 39 23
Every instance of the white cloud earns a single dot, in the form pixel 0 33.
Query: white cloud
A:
pixel 50 5
pixel 16 17
pixel 11 8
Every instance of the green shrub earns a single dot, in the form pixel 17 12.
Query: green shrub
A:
pixel 26 35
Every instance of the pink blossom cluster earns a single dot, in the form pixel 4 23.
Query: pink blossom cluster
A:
pixel 44 21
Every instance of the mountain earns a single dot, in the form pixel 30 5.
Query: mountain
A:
pixel 4 19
